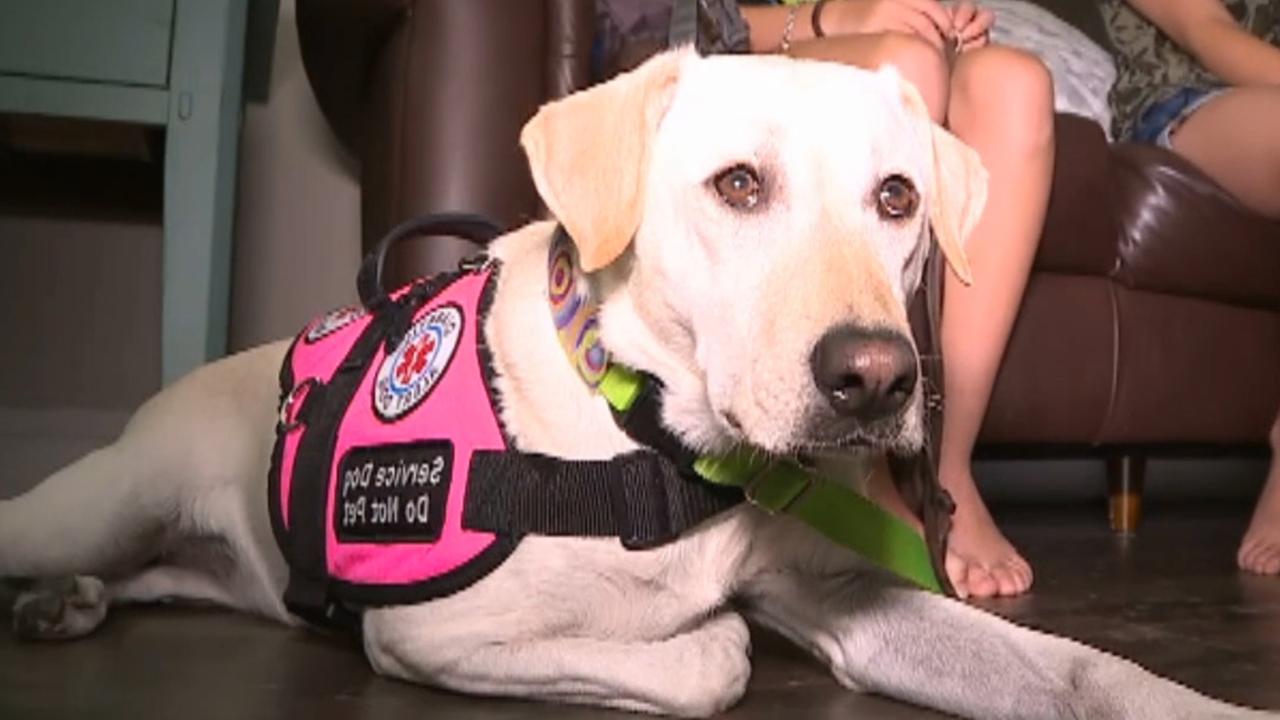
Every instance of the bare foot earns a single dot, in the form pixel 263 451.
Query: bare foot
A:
pixel 1260 550
pixel 980 561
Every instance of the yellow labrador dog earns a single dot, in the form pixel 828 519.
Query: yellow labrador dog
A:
pixel 751 228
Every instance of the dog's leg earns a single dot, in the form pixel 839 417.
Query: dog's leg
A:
pixel 695 673
pixel 86 518
pixel 583 620
pixel 182 487
pixel 934 651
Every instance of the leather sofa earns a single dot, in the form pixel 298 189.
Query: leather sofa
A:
pixel 1151 322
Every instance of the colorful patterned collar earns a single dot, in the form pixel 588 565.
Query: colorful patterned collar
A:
pixel 575 313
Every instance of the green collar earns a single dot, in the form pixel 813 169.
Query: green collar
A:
pixel 776 485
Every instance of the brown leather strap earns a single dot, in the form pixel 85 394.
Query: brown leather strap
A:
pixel 917 475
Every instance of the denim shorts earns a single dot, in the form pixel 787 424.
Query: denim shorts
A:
pixel 1159 121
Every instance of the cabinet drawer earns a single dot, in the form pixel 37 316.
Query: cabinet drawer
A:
pixel 117 41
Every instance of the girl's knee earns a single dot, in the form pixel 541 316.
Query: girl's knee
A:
pixel 1006 82
pixel 921 64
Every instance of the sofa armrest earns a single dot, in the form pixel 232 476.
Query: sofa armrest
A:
pixel 1080 230
pixel 1185 235
pixel 431 96
pixel 570 32
pixel 338 39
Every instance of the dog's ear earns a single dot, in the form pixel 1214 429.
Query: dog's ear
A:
pixel 956 199
pixel 589 154
pixel 959 189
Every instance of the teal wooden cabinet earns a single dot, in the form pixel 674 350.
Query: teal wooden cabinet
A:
pixel 120 41
pixel 178 64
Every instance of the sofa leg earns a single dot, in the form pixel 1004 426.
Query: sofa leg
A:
pixel 1125 474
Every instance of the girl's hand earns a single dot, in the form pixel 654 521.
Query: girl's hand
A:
pixel 925 18
pixel 972 25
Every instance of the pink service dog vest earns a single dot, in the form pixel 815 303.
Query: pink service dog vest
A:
pixel 370 471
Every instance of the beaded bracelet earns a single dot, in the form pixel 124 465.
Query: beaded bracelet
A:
pixel 789 28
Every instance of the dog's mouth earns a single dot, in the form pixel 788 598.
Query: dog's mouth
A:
pixel 828 435
pixel 838 436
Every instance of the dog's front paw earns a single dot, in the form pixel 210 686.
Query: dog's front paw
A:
pixel 60 610
pixel 718 667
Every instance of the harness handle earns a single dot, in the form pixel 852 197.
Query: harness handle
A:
pixel 477 229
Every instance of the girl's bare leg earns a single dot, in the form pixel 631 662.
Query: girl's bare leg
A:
pixel 917 60
pixel 1260 550
pixel 1001 103
pixel 1233 139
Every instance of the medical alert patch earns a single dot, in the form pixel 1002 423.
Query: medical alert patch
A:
pixel 332 322
pixel 393 493
pixel 408 374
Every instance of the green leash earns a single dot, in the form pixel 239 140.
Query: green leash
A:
pixel 780 486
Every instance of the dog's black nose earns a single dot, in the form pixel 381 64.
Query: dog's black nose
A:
pixel 865 374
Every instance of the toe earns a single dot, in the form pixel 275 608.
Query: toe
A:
pixel 1022 573
pixel 981 583
pixel 1006 582
pixel 958 573
pixel 1020 578
pixel 1014 578
pixel 1025 572
pixel 1252 556
pixel 88 592
pixel 1268 561
pixel 1248 557
pixel 1242 555
pixel 1013 574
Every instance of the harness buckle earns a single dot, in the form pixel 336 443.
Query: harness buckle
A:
pixel 775 487
pixel 291 406
pixel 476 263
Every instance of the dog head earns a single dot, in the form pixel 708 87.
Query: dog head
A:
pixel 753 228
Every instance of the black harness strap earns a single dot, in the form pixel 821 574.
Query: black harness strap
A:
pixel 712 26
pixel 684 23
pixel 307 595
pixel 641 498
pixel 474 228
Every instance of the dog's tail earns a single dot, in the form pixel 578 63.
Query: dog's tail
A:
pixel 87 518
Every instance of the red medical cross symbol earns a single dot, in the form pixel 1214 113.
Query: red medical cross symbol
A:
pixel 415 358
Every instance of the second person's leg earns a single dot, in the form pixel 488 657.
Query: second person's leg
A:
pixel 1233 139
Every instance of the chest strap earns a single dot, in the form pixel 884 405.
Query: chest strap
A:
pixel 641 498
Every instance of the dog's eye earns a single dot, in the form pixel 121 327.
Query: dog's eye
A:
pixel 739 187
pixel 896 198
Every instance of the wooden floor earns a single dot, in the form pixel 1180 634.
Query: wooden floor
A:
pixel 1169 598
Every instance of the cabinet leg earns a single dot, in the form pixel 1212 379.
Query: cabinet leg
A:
pixel 199 178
